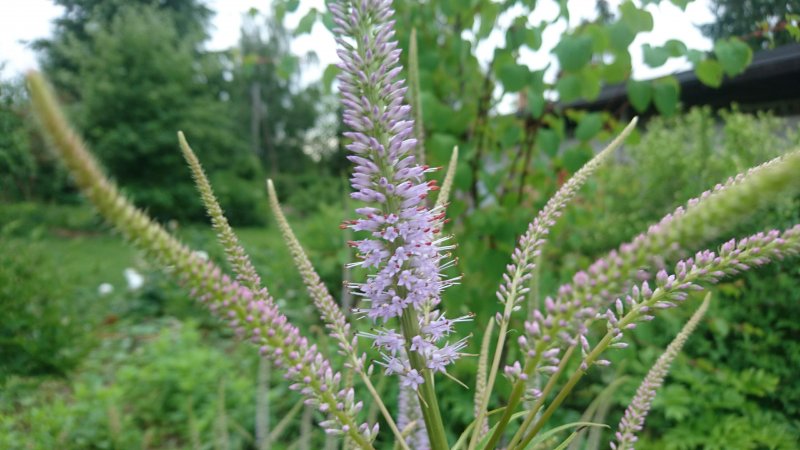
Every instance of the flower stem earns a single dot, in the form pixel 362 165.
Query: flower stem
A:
pixel 428 403
pixel 540 401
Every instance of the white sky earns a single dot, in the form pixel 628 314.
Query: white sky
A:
pixel 22 21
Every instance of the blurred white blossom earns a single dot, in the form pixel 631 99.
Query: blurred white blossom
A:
pixel 105 289
pixel 134 278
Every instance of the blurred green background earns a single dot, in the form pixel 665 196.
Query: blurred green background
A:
pixel 101 350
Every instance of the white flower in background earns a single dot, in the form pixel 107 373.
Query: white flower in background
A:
pixel 105 289
pixel 134 278
pixel 202 255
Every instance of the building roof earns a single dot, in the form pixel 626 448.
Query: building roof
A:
pixel 770 82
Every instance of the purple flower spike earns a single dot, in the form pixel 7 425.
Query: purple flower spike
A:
pixel 402 244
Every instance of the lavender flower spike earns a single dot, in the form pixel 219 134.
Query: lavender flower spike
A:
pixel 633 420
pixel 402 246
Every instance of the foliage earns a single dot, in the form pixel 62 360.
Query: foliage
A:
pixel 581 318
pixel 153 393
pixel 41 333
pixel 126 119
pixel 745 336
pixel 27 170
pixel 675 160
pixel 276 112
pixel 760 23
pixel 73 38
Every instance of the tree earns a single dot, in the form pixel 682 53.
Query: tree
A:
pixel 760 23
pixel 142 82
pixel 72 35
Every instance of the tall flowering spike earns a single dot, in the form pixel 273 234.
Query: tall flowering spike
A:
pixel 401 246
pixel 410 414
pixel 240 262
pixel 449 177
pixel 332 314
pixel 515 281
pixel 252 317
pixel 668 291
pixel 564 319
pixel 633 420
pixel 700 219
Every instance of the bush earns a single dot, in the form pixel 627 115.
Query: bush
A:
pixel 43 331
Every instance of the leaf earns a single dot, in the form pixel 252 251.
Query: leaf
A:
pixel 637 19
pixel 709 72
pixel 536 103
pixel 655 56
pixel 533 38
pixel 589 126
pixel 569 88
pixel 547 434
pixel 329 75
pixel 591 78
pixel 291 5
pixel 548 141
pixel 618 70
pixel 620 36
pixel 286 66
pixel 515 35
pixel 513 76
pixel 666 95
pixel 734 55
pixel 489 14
pixel 574 52
pixel 576 157
pixel 675 48
pixel 306 23
pixel 695 56
pixel 639 94
pixel 681 3
pixel 567 441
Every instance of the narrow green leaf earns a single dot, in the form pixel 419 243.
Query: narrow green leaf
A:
pixel 553 431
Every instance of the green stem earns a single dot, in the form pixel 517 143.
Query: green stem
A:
pixel 428 402
pixel 513 401
pixel 386 415
pixel 551 383
pixel 562 394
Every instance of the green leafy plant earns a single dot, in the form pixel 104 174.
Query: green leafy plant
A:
pixel 403 259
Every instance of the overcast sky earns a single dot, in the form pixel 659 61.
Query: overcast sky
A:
pixel 22 21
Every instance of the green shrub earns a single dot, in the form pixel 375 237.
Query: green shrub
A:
pixel 43 330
